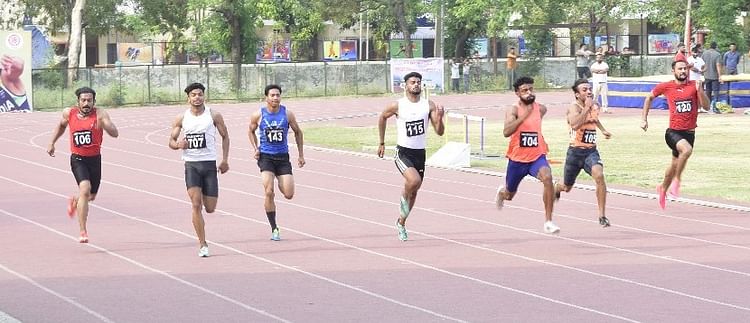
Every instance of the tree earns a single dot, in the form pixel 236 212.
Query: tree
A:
pixel 719 17
pixel 73 16
pixel 303 19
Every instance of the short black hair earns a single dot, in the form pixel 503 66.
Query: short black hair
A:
pixel 577 83
pixel 194 86
pixel 730 44
pixel 85 89
pixel 521 81
pixel 271 87
pixel 412 74
pixel 713 45
pixel 677 61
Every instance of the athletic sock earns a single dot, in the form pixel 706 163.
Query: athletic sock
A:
pixel 272 219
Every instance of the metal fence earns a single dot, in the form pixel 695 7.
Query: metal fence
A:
pixel 164 84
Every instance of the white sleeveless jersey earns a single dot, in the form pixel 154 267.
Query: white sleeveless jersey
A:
pixel 200 133
pixel 411 122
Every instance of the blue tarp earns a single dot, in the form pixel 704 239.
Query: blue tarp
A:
pixel 631 94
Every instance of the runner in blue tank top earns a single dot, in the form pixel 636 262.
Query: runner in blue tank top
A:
pixel 272 123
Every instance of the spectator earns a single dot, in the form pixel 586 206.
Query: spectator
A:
pixel 712 58
pixel 680 56
pixel 731 59
pixel 511 67
pixel 582 62
pixel 455 74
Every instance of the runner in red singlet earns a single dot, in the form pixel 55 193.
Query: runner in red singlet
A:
pixel 87 125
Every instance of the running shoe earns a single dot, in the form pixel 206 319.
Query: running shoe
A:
pixel 404 208
pixel 402 235
pixel 557 193
pixel 72 206
pixel 203 251
pixel 275 235
pixel 550 227
pixel 674 189
pixel 84 238
pixel 662 196
pixel 499 200
pixel 604 222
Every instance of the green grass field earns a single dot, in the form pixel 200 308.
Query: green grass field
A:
pixel 719 166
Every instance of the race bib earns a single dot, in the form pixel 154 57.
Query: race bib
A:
pixel 415 128
pixel 589 136
pixel 683 106
pixel 82 138
pixel 196 140
pixel 529 139
pixel 274 134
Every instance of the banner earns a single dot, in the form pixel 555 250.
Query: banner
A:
pixel 479 48
pixel 340 50
pixel 274 51
pixel 140 53
pixel 663 43
pixel 398 48
pixel 430 68
pixel 15 71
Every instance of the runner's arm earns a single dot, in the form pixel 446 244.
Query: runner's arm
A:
pixel 252 127
pixel 108 125
pixel 58 131
pixel 436 117
pixel 390 110
pixel 176 129
pixel 298 137
pixel 221 127
pixel 512 121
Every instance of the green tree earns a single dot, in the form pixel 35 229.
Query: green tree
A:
pixel 719 16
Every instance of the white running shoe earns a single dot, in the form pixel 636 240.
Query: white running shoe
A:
pixel 275 235
pixel 550 227
pixel 203 251
pixel 499 200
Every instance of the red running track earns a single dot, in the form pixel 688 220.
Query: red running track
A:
pixel 340 259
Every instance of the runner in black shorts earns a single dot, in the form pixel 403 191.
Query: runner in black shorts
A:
pixel 278 164
pixel 410 158
pixel 413 116
pixel 200 126
pixel 87 169
pixel 272 123
pixel 202 174
pixel 583 119
pixel 672 137
pixel 87 124
pixel 683 98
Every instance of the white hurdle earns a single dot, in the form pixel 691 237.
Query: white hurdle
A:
pixel 466 118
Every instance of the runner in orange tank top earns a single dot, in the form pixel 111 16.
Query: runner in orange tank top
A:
pixel 583 118
pixel 87 124
pixel 527 149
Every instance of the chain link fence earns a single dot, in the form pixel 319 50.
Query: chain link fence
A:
pixel 164 84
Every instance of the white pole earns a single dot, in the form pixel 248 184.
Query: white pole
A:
pixel 359 47
pixel 367 37
pixel 687 25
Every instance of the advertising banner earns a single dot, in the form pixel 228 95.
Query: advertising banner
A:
pixel 430 68
pixel 15 71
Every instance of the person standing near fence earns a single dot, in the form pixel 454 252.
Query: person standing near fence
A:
pixel 510 66
pixel 683 97
pixel 527 149
pixel 731 59
pixel 600 70
pixel 87 126
pixel 712 58
pixel 467 74
pixel 200 125
pixel 582 62
pixel 455 74
pixel 583 119
pixel 273 121
pixel 412 116
pixel 697 67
